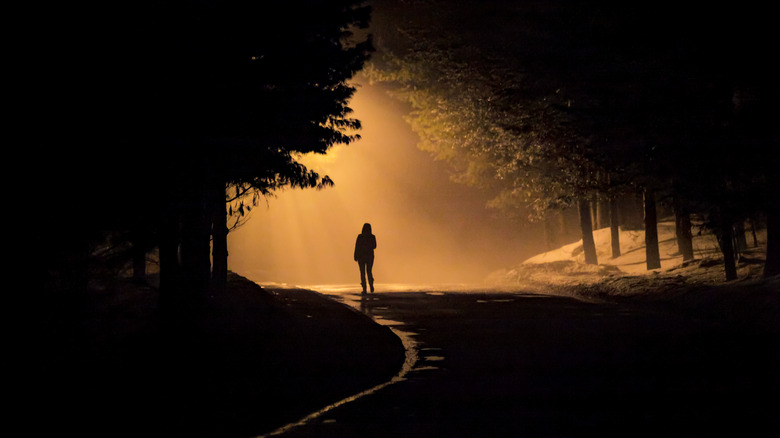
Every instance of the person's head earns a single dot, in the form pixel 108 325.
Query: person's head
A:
pixel 366 228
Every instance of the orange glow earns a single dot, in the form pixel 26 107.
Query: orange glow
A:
pixel 428 229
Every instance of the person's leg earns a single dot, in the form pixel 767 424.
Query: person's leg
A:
pixel 362 266
pixel 370 272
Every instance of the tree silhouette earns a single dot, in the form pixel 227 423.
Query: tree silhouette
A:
pixel 180 100
pixel 563 100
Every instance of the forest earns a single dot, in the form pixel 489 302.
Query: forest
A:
pixel 179 116
pixel 170 119
pixel 613 110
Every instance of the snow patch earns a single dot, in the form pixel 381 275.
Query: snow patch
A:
pixel 628 273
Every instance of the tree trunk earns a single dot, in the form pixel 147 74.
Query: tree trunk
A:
pixel 588 244
pixel 170 287
pixel 683 231
pixel 614 225
pixel 727 247
pixel 651 231
pixel 739 237
pixel 196 248
pixel 603 212
pixel 185 244
pixel 219 232
pixel 772 264
pixel 753 230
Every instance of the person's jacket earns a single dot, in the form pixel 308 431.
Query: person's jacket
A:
pixel 364 247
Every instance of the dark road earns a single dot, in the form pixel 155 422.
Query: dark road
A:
pixel 543 366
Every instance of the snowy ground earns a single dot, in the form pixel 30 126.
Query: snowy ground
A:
pixel 697 284
pixel 697 288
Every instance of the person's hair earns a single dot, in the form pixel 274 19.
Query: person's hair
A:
pixel 366 228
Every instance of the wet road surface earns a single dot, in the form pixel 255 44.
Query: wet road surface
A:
pixel 525 365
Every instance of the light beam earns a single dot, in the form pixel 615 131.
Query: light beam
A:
pixel 428 229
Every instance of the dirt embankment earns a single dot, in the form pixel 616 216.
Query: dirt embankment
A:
pixel 256 360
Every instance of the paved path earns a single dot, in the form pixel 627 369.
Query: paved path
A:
pixel 525 365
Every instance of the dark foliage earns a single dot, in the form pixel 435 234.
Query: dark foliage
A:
pixel 152 106
pixel 600 97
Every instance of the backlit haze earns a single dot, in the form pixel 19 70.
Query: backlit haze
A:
pixel 428 229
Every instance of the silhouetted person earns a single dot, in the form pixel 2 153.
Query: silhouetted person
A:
pixel 364 255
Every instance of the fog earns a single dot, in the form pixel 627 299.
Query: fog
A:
pixel 428 229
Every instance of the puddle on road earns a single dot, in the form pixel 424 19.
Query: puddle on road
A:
pixel 388 322
pixel 497 300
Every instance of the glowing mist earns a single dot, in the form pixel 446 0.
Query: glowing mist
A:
pixel 428 229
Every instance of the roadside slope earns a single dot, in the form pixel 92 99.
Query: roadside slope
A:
pixel 259 359
pixel 697 287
